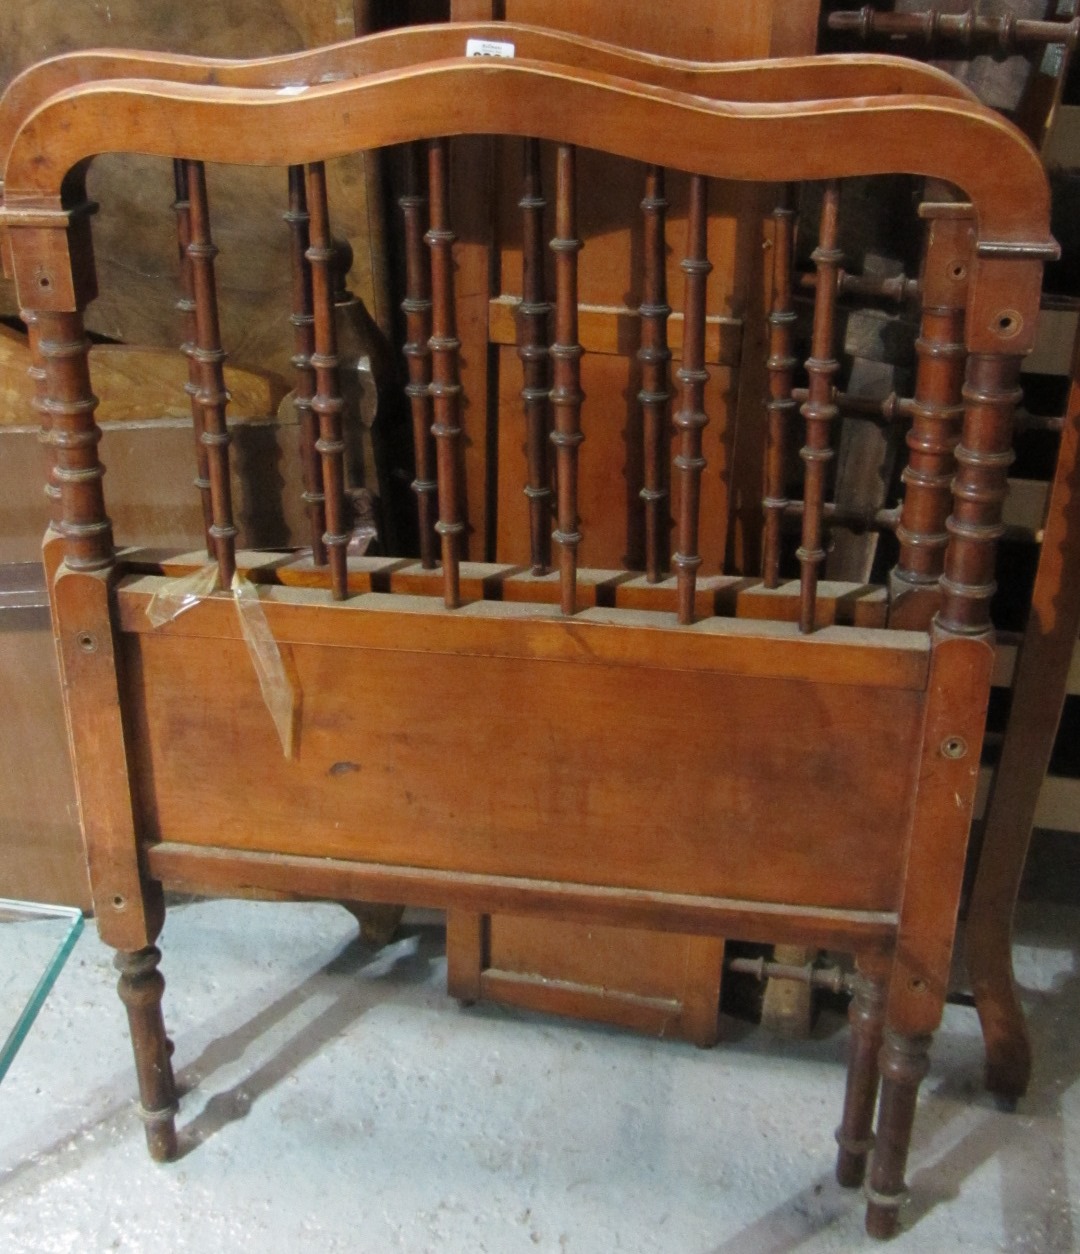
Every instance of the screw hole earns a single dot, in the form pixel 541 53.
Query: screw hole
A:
pixel 119 902
pixel 954 747
pixel 44 282
pixel 917 985
pixel 1007 323
pixel 958 271
pixel 86 641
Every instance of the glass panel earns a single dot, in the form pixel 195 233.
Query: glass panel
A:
pixel 35 941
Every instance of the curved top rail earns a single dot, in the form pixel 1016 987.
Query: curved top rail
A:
pixel 786 78
pixel 953 140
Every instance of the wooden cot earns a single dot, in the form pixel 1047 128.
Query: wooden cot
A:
pixel 765 759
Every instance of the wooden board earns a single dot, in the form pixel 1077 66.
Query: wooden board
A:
pixel 380 729
pixel 660 983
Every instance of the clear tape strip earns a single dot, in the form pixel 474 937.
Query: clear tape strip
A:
pixel 265 656
pixel 179 595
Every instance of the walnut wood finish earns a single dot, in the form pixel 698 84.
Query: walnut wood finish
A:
pixel 820 408
pixel 303 322
pixel 566 394
pixel 533 313
pixel 844 826
pixel 417 309
pixel 445 388
pixel 208 357
pixel 654 357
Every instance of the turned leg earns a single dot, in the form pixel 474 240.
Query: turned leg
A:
pixel 904 1061
pixel 854 1135
pixel 140 987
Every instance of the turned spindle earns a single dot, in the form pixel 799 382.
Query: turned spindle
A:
pixel 532 326
pixel 209 357
pixel 781 365
pixel 327 402
pixel 417 309
pixel 185 307
pixel 854 1137
pixel 445 386
pixel 68 406
pixel 1004 34
pixel 690 419
pixel 566 394
pixel 820 409
pixel 903 1062
pixel 141 987
pixel 937 409
pixel 654 357
pixel 36 371
pixel 983 457
pixel 302 319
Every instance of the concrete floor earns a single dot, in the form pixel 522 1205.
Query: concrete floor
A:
pixel 338 1100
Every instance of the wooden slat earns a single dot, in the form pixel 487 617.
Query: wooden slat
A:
pixel 187 866
pixel 836 655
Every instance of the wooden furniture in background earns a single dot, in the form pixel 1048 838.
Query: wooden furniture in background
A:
pixel 1019 789
pixel 1045 654
pixel 695 753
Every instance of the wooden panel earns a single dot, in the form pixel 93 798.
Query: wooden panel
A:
pixel 833 656
pixel 660 983
pixel 381 730
pixel 199 868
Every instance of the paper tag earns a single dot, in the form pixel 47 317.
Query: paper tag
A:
pixel 488 48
